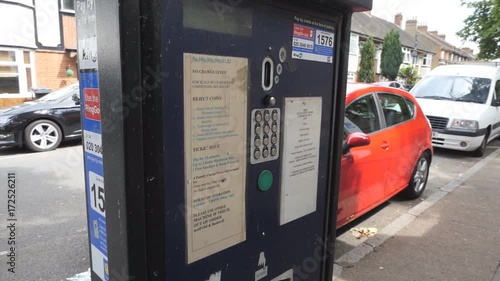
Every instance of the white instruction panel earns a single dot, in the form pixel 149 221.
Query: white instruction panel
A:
pixel 299 171
pixel 215 116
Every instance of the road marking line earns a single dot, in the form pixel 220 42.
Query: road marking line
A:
pixel 362 250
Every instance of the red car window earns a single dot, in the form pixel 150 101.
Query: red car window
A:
pixel 363 113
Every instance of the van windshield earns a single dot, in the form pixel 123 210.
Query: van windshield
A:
pixel 456 88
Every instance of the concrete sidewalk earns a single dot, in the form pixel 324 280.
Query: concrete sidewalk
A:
pixel 457 238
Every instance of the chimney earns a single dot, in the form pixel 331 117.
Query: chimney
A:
pixel 411 26
pixel 442 37
pixel 398 19
pixel 468 50
pixel 435 33
pixel 422 28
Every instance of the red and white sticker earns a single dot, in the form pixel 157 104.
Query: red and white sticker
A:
pixel 312 44
pixel 303 32
pixel 92 104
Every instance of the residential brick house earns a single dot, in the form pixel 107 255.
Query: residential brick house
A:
pixel 364 25
pixel 37 47
pixel 446 53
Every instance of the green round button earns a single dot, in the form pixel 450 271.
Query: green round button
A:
pixel 265 180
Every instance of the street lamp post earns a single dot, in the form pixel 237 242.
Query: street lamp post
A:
pixel 414 54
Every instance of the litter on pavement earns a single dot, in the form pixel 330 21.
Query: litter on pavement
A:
pixel 364 232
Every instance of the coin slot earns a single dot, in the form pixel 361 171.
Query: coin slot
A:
pixel 267 74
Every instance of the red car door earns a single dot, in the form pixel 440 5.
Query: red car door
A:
pixel 401 130
pixel 364 170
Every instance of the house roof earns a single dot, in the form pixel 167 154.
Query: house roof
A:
pixel 445 45
pixel 365 24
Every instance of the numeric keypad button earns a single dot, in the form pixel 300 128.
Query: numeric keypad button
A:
pixel 257 141
pixel 274 139
pixel 265 152
pixel 273 150
pixel 266 128
pixel 256 153
pixel 265 140
pixel 267 115
pixel 258 129
pixel 258 116
pixel 275 115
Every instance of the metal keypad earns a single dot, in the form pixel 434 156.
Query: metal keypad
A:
pixel 265 135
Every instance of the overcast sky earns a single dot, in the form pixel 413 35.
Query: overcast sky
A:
pixel 445 16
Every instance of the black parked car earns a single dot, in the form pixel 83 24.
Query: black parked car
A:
pixel 42 124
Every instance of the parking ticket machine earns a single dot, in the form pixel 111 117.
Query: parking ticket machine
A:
pixel 212 135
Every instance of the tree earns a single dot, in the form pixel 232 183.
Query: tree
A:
pixel 483 27
pixel 409 74
pixel 392 55
pixel 366 73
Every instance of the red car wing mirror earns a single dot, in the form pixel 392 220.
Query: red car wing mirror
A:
pixel 356 140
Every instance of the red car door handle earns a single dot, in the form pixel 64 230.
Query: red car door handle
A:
pixel 384 145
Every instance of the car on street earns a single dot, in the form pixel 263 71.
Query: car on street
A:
pixel 462 103
pixel 393 84
pixel 387 149
pixel 42 124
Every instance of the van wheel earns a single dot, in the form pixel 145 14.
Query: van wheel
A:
pixel 418 180
pixel 479 152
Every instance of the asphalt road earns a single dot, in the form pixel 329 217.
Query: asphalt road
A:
pixel 51 230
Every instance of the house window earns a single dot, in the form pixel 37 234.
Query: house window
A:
pixel 16 72
pixel 354 46
pixel 406 55
pixel 68 5
pixel 350 76
pixel 378 59
pixel 9 80
pixel 427 60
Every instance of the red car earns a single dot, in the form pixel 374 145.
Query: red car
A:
pixel 387 149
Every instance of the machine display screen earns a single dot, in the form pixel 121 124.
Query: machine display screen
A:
pixel 217 17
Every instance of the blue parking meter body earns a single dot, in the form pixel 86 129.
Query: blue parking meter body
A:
pixel 212 136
